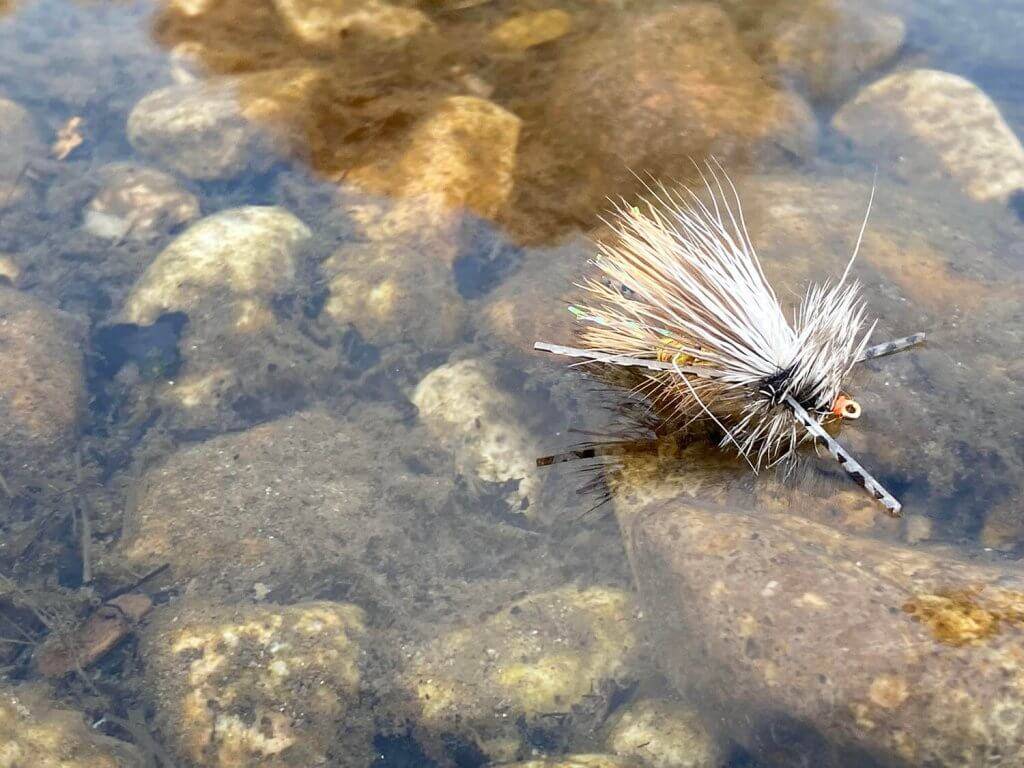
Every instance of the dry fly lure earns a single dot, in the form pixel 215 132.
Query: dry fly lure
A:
pixel 681 297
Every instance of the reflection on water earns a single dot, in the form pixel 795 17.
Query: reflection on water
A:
pixel 269 418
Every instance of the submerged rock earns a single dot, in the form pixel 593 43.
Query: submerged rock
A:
pixel 926 124
pixel 239 686
pixel 137 202
pixel 578 761
pixel 241 256
pixel 463 405
pixel 653 90
pixel 41 387
pixel 664 734
pixel 224 273
pixel 531 305
pixel 563 651
pixel 200 130
pixel 881 650
pixel 312 505
pixel 460 155
pixel 390 293
pixel 19 143
pixel 828 45
pixel 333 24
pixel 34 733
pixel 532 29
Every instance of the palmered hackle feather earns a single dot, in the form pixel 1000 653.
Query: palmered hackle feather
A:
pixel 681 281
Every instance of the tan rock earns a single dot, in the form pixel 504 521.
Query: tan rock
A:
pixel 664 734
pixel 532 29
pixel 238 255
pixel 137 202
pixel 270 685
pixel 927 124
pixel 461 155
pixel 9 269
pixel 904 654
pixel 462 404
pixel 329 23
pixel 34 733
pixel 545 653
pixel 391 293
pixel 223 273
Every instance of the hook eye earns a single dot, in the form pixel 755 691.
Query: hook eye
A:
pixel 846 407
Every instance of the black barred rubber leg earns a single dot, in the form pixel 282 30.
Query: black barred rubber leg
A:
pixel 850 464
pixel 890 347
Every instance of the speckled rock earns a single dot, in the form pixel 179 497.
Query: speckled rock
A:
pixel 904 655
pixel 313 505
pixel 274 505
pixel 460 155
pixel 19 143
pixel 828 45
pixel 34 733
pixel 464 406
pixel 390 293
pixel 241 256
pixel 224 273
pixel 561 651
pixel 41 386
pixel 244 686
pixel 333 24
pixel 532 29
pixel 137 202
pixel 578 761
pixel 199 130
pixel 654 90
pixel 664 734
pixel 928 124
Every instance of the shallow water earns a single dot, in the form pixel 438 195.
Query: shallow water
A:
pixel 277 376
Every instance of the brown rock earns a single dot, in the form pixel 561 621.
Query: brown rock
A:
pixel 137 202
pixel 41 385
pixel 897 653
pixel 825 46
pixel 654 90
pixel 461 155
pixel 558 651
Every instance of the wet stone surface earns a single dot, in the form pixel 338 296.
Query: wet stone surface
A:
pixel 238 686
pixel 35 731
pixel 882 651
